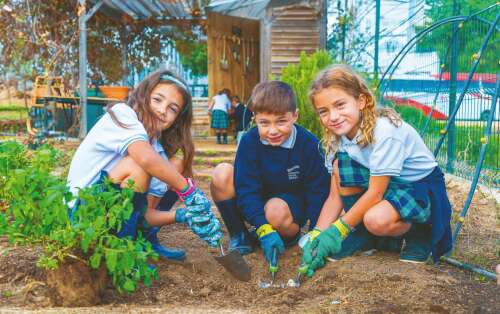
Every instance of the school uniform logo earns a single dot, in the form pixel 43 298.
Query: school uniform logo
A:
pixel 293 172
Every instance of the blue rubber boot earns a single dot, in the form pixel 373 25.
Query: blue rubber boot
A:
pixel 389 244
pixel 240 239
pixel 169 253
pixel 418 244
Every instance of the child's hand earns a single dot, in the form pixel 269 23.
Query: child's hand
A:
pixel 270 239
pixel 199 216
pixel 210 232
pixel 325 244
pixel 180 215
pixel 194 196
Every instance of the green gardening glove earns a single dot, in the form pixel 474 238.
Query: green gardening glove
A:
pixel 325 244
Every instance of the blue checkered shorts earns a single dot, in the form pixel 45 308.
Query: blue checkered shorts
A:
pixel 411 203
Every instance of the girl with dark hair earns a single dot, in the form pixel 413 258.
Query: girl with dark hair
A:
pixel 138 141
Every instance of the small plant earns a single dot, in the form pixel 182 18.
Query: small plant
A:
pixel 7 294
pixel 36 214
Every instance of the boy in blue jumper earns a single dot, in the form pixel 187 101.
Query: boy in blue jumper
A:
pixel 278 181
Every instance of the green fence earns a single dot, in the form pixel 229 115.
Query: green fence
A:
pixel 457 67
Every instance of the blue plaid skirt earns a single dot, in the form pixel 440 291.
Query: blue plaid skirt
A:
pixel 413 204
pixel 219 120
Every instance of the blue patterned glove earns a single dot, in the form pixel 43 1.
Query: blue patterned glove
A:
pixel 210 232
pixel 180 215
pixel 269 239
pixel 199 215
pixel 193 196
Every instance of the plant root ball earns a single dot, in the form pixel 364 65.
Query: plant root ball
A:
pixel 76 284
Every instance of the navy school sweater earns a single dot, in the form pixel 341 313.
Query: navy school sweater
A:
pixel 262 171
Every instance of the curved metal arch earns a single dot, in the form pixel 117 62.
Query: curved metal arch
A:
pixel 408 46
pixel 467 83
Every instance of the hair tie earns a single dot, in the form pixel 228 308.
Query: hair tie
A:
pixel 176 81
pixel 168 77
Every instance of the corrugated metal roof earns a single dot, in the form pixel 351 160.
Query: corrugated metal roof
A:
pixel 144 9
pixel 250 9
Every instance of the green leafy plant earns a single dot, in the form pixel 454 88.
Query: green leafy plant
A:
pixel 300 76
pixel 36 213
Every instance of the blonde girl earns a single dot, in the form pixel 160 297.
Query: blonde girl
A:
pixel 385 182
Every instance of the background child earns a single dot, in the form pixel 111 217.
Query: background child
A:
pixel 241 115
pixel 219 107
pixel 132 142
pixel 280 181
pixel 383 176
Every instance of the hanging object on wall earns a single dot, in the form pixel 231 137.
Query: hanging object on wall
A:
pixel 249 57
pixel 224 63
pixel 236 49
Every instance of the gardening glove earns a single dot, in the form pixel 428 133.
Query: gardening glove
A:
pixel 180 215
pixel 269 239
pixel 210 232
pixel 313 234
pixel 199 216
pixel 194 197
pixel 327 243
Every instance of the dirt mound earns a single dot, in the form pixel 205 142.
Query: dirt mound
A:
pixel 377 283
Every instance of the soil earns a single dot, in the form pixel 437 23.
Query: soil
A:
pixel 376 283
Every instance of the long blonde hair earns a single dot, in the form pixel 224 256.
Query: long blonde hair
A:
pixel 346 79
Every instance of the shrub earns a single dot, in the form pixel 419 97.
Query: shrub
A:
pixel 300 76
pixel 36 214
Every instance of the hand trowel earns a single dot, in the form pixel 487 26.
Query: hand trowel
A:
pixel 234 263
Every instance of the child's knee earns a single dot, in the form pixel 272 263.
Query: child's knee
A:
pixel 222 176
pixel 277 213
pixel 127 169
pixel 376 224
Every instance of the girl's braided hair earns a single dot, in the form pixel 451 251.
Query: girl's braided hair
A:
pixel 343 77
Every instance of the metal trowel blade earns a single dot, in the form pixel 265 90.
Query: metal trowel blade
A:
pixel 236 265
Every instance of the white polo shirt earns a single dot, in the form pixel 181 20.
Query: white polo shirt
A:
pixel 221 102
pixel 105 145
pixel 396 152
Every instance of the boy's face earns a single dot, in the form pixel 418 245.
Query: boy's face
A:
pixel 275 128
pixel 166 103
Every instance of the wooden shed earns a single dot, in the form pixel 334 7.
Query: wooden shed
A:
pixel 253 40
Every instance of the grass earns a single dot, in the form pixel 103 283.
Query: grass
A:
pixel 467 138
pixel 9 111
pixel 7 294
pixel 13 115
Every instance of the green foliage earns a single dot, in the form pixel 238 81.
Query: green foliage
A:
pixel 470 34
pixel 346 38
pixel 37 214
pixel 193 56
pixel 300 76
pixel 467 137
pixel 42 36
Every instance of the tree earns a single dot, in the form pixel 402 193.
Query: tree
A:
pixel 346 39
pixel 470 34
pixel 41 37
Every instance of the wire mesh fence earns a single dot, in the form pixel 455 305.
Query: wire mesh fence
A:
pixel 427 94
